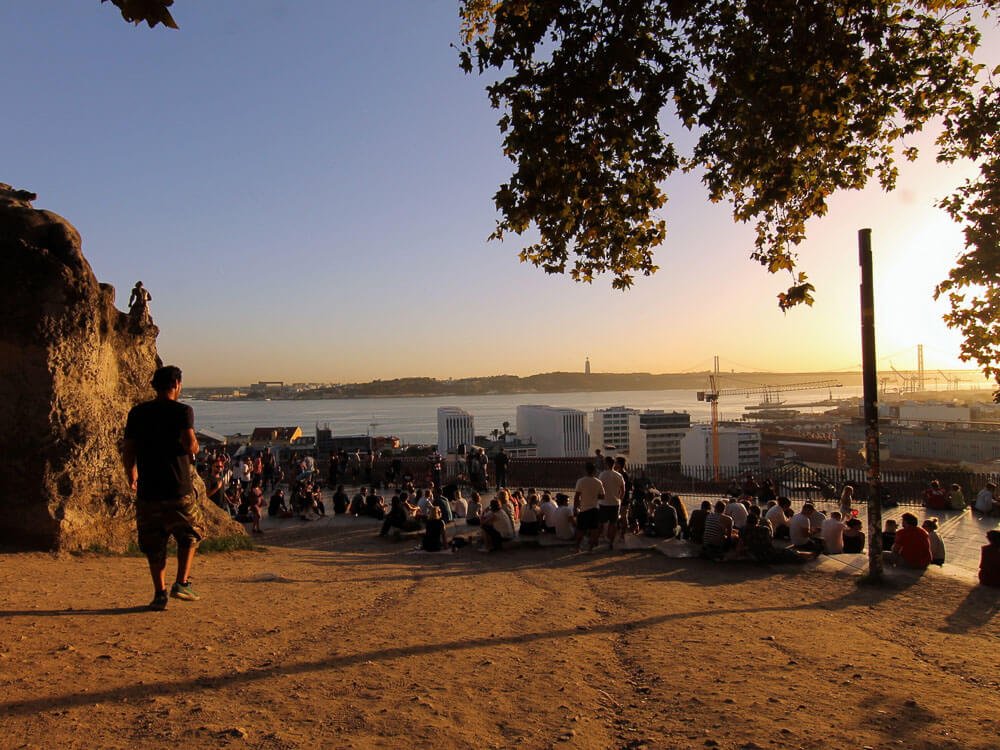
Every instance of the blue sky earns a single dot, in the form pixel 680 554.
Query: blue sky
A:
pixel 306 190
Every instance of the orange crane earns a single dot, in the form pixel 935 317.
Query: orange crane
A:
pixel 770 393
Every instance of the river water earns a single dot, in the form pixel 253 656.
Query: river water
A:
pixel 414 419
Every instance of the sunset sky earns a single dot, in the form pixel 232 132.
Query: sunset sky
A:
pixel 306 190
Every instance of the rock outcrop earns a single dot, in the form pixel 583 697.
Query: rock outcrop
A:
pixel 71 366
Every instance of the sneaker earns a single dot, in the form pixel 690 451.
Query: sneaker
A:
pixel 184 591
pixel 159 602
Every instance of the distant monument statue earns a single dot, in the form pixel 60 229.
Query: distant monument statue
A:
pixel 138 305
pixel 586 367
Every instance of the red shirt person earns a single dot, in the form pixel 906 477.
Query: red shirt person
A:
pixel 913 544
pixel 935 496
pixel 989 562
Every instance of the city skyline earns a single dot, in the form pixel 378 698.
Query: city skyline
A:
pixel 306 191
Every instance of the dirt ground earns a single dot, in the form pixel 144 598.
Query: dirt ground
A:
pixel 334 638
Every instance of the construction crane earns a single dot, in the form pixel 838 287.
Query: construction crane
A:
pixel 770 395
pixel 910 384
pixel 953 383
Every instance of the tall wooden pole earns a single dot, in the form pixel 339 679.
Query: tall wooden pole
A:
pixel 870 380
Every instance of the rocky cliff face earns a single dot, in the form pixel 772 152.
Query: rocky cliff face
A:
pixel 71 366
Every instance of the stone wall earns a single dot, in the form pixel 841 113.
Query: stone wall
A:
pixel 71 366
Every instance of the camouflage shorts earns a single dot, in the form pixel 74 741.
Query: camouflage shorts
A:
pixel 158 520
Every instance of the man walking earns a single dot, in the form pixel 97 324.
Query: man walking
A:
pixel 157 452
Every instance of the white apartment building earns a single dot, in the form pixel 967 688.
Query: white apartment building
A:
pixel 615 428
pixel 455 427
pixel 738 447
pixel 651 436
pixel 557 432
pixel 660 435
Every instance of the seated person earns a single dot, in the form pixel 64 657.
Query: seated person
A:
pixel 854 537
pixel 778 516
pixel 435 537
pixel 935 496
pixel 474 510
pixel 989 560
pixel 563 521
pixel 800 530
pixel 399 516
pixel 930 525
pixel 758 542
pixel 738 512
pixel 832 531
pixel 340 501
pixel 718 536
pixel 277 508
pixel 664 523
pixel 530 525
pixel 956 498
pixel 357 506
pixel 696 523
pixel 424 503
pixel 986 502
pixel 444 505
pixel 682 515
pixel 496 526
pixel 375 506
pixel 459 505
pixel 912 547
pixel 546 513
pixel 889 534
pixel 638 510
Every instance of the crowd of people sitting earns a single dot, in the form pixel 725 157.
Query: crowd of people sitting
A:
pixel 753 522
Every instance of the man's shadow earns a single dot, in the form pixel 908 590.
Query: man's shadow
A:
pixel 5 613
pixel 977 609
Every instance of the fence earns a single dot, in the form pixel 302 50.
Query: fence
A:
pixel 796 480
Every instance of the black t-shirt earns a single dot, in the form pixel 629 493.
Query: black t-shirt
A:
pixel 156 428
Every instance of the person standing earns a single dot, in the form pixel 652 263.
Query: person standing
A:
pixel 609 507
pixel 587 493
pixel 157 451
pixel 500 462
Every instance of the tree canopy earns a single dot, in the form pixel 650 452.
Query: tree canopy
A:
pixel 786 101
